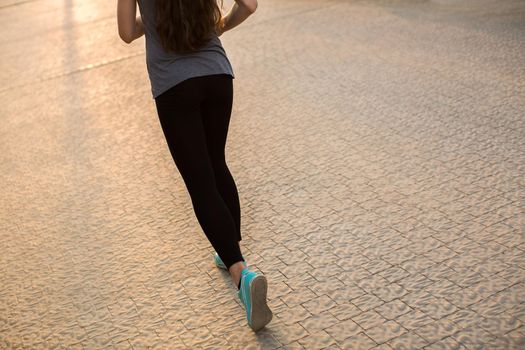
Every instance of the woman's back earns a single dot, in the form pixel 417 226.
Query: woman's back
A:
pixel 167 69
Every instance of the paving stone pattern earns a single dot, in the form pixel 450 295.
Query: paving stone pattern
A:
pixel 379 152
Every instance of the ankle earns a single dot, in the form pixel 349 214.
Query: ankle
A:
pixel 236 272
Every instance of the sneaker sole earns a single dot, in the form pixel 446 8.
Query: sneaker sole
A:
pixel 261 314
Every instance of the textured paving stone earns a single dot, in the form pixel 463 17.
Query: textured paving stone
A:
pixel 288 334
pixel 343 330
pixel 445 344
pixel 437 330
pixel 319 321
pixel 414 319
pixel 358 341
pixel 379 156
pixel 409 340
pixel 385 331
pixel 317 340
pixel 393 309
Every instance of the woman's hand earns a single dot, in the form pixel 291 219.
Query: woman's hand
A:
pixel 130 26
pixel 240 10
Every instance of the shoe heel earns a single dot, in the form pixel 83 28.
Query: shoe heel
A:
pixel 261 313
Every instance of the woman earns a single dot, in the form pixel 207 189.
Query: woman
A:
pixel 191 82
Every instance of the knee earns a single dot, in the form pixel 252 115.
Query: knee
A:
pixel 220 169
pixel 196 175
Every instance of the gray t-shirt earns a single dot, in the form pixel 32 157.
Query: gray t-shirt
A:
pixel 165 69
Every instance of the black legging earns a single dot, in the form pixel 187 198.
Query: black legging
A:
pixel 195 116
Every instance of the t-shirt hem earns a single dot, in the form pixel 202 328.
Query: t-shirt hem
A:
pixel 157 92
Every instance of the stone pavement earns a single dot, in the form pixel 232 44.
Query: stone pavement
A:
pixel 379 151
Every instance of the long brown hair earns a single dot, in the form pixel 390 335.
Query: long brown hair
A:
pixel 186 25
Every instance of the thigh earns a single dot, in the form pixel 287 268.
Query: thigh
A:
pixel 216 111
pixel 180 116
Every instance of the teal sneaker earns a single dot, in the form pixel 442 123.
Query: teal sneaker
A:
pixel 219 263
pixel 253 296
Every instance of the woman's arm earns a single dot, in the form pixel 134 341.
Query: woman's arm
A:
pixel 240 10
pixel 130 26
